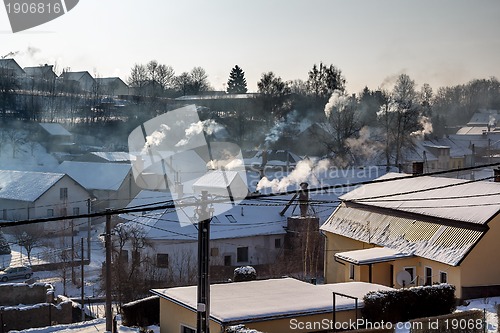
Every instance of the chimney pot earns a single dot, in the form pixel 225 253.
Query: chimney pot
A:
pixel 418 168
pixel 496 173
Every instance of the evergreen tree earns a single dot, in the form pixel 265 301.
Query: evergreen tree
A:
pixel 237 84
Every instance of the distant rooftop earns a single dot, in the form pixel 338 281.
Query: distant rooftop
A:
pixel 55 129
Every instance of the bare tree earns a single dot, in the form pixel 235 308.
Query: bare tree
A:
pixel 29 237
pixel 16 139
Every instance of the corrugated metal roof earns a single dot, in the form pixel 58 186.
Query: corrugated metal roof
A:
pixel 372 255
pixel 454 199
pixel 446 244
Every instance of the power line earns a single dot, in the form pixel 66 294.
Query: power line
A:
pixel 165 205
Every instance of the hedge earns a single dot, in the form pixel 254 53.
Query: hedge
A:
pixel 402 305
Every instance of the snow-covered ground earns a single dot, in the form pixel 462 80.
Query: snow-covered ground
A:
pixel 96 325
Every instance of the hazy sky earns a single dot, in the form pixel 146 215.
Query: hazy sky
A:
pixel 443 42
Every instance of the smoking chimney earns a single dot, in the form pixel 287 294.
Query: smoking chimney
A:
pixel 418 168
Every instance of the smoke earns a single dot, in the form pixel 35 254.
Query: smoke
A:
pixel 155 139
pixel 338 101
pixel 228 164
pixel 10 54
pixel 492 122
pixel 32 51
pixel 210 127
pixel 279 128
pixel 390 81
pixel 426 124
pixel 365 149
pixel 305 171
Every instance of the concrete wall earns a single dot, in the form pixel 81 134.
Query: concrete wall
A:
pixel 39 315
pixel 25 306
pixel 21 293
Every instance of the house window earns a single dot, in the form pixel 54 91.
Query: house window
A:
pixel 64 211
pixel 242 254
pixel 428 276
pixel 214 251
pixel 351 271
pixel 76 211
pixel 227 260
pixel 63 193
pixel 123 257
pixel 185 329
pixel 231 218
pixel 50 212
pixel 162 260
pixel 277 243
pixel 4 215
pixel 411 270
pixel 443 277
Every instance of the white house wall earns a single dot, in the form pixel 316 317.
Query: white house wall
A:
pixel 261 250
pixel 22 210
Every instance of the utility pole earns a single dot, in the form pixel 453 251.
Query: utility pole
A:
pixel 88 229
pixel 83 284
pixel 72 252
pixel 203 307
pixel 107 237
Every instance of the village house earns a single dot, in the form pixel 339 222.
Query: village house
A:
pixel 435 229
pixel 78 81
pixel 438 154
pixel 111 184
pixel 111 86
pixel 42 78
pixel 55 137
pixel 271 306
pixel 240 235
pixel 30 195
pixel 11 67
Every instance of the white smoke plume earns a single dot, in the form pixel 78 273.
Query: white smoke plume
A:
pixel 229 164
pixel 364 148
pixel 210 126
pixel 492 122
pixel 279 128
pixel 426 124
pixel 305 171
pixel 338 101
pixel 155 139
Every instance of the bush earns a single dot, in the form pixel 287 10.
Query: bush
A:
pixel 4 245
pixel 240 329
pixel 404 304
pixel 245 273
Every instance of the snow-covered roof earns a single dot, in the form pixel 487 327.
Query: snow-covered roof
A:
pixel 40 71
pixel 114 156
pixel 454 199
pixel 241 302
pixel 448 244
pixel 244 220
pixel 75 76
pixel 55 129
pixel 26 185
pixel 216 179
pixel 372 255
pixel 96 176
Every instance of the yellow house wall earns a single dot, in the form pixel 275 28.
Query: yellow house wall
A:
pixel 334 271
pixel 482 266
pixel 172 316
